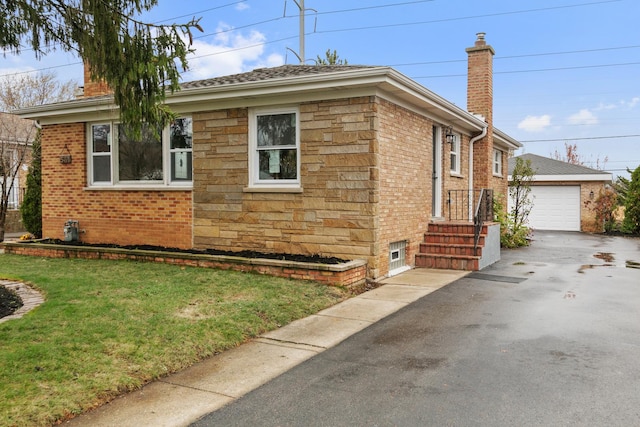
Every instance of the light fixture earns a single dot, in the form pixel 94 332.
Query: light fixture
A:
pixel 449 136
pixel 591 195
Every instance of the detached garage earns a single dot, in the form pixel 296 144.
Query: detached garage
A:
pixel 563 194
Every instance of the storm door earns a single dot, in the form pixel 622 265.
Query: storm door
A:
pixel 436 174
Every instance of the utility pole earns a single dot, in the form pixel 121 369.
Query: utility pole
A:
pixel 300 54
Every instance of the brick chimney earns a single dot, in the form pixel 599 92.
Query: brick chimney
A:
pixel 92 87
pixel 480 101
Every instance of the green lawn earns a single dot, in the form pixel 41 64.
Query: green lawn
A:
pixel 108 327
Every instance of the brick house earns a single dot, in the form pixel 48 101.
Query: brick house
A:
pixel 564 194
pixel 354 162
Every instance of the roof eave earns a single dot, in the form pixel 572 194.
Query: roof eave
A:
pixel 506 140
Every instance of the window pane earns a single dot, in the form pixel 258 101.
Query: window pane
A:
pixel 101 168
pixel 139 160
pixel 277 164
pixel 101 138
pixel 181 166
pixel 277 129
pixel 181 132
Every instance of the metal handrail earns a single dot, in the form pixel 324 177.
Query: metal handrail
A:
pixel 483 212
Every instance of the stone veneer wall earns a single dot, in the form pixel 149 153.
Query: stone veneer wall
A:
pixel 333 215
pixel 405 180
pixel 124 217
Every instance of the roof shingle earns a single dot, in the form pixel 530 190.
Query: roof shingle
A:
pixel 546 166
pixel 261 74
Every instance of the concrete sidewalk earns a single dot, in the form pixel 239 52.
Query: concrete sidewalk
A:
pixel 184 397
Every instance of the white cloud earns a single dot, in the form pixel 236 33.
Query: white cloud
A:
pixel 604 106
pixel 229 53
pixel 583 117
pixel 242 6
pixel 634 102
pixel 535 123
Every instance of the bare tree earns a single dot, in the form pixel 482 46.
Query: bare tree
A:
pixel 17 135
pixel 572 156
pixel 27 90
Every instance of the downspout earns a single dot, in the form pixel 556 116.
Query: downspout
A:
pixel 471 142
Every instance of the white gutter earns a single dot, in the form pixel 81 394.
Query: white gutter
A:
pixel 471 142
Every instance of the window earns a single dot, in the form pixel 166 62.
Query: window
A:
pixel 398 257
pixel 455 154
pixel 274 158
pixel 497 162
pixel 180 147
pixel 163 157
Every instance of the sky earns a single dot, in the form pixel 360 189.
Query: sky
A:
pixel 565 71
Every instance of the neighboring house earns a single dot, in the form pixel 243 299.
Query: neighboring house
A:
pixel 16 136
pixel 563 194
pixel 344 161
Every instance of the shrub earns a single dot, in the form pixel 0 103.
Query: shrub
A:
pixel 631 222
pixel 513 234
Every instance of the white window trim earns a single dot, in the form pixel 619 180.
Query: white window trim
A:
pixel 114 183
pixel 497 163
pixel 255 183
pixel 455 169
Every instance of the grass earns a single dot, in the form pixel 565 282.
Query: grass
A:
pixel 109 327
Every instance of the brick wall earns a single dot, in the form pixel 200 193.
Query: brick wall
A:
pixel 92 87
pixel 480 101
pixel 333 215
pixel 406 159
pixel 588 221
pixel 161 218
pixel 352 274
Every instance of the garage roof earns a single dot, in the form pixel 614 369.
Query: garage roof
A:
pixel 547 169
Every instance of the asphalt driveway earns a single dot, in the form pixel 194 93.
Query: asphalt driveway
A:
pixel 549 335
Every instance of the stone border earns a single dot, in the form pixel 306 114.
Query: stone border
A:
pixel 29 296
pixel 350 274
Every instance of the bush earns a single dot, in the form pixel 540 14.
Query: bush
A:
pixel 631 223
pixel 513 234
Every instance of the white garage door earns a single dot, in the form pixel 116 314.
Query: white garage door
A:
pixel 555 208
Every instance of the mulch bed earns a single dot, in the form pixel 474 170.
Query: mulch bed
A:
pixel 9 302
pixel 317 259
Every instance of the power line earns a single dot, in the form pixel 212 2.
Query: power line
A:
pixel 391 25
pixel 202 11
pixel 462 18
pixel 581 139
pixel 526 55
pixel 578 67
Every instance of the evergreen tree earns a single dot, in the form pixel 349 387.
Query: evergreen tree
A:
pixel 31 209
pixel 138 60
pixel 331 58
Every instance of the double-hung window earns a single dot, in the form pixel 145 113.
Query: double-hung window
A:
pixel 497 162
pixel 274 157
pixel 454 154
pixel 159 157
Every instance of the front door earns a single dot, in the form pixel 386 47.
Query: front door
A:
pixel 436 194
